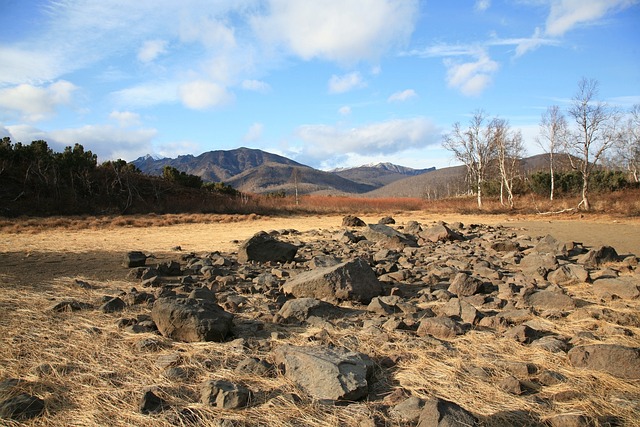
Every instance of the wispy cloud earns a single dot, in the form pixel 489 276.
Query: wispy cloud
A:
pixel 151 49
pixel 254 133
pixel 482 5
pixel 125 118
pixel 402 96
pixel 471 78
pixel 35 103
pixel 345 83
pixel 564 15
pixel 201 94
pixel 256 85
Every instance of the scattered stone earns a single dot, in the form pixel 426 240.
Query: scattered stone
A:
pixel 440 327
pixel 254 366
pixel 408 410
pixel 550 300
pixel 224 394
pixel 550 378
pixel 301 309
pixel 465 285
pixel 353 280
pixel 443 413
pixel 523 334
pixel 70 305
pixel 21 407
pixel 505 246
pixel 617 360
pixel 550 245
pixel 190 320
pixel 597 257
pixel 134 259
pixel 326 373
pixel 511 385
pixel 113 305
pixel 262 247
pixel 440 233
pixel 352 221
pixel 151 404
pixel 386 220
pixel 621 287
pixel 387 237
pixel 570 420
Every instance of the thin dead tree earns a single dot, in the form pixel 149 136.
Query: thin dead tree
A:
pixel 597 129
pixel 628 148
pixel 553 135
pixel 509 152
pixel 473 146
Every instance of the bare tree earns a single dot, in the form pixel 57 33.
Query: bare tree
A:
pixel 628 148
pixel 509 152
pixel 553 135
pixel 596 131
pixel 475 147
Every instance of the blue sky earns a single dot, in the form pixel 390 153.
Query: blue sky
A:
pixel 329 83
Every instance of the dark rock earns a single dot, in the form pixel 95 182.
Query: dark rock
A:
pixel 551 343
pixel 550 378
pixel 385 305
pixel 151 404
pixel 386 220
pixel 190 320
pixel 113 305
pixel 408 410
pixel 224 394
pixel 264 248
pixel 465 285
pixel 352 221
pixel 134 259
pixel 460 309
pixel 443 413
pixel 549 300
pixel 550 245
pixel 617 360
pixel 440 233
pixel 326 373
pixel 523 334
pixel 353 280
pixel 570 420
pixel 597 257
pixel 70 305
pixel 254 366
pixel 301 309
pixel 511 385
pixel 21 407
pixel 505 246
pixel 387 236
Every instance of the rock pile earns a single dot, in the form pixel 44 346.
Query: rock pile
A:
pixel 433 283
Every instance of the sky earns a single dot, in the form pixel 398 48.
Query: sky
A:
pixel 328 83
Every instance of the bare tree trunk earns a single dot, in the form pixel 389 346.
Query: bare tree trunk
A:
pixel 552 177
pixel 479 193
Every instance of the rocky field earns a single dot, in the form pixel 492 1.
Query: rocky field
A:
pixel 379 324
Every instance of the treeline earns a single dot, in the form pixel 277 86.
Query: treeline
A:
pixel 36 180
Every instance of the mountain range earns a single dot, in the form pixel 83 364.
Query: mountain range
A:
pixel 257 171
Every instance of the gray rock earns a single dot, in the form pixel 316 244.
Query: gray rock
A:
pixel 326 373
pixel 511 385
pixel 440 327
pixel 461 309
pixel 570 420
pixel 550 245
pixel 443 413
pixel 386 220
pixel 134 259
pixel 505 246
pixel 151 404
pixel 549 300
pixel 21 407
pixel 113 305
pixel 262 247
pixel 190 320
pixel 440 233
pixel 353 280
pixel 224 394
pixel 625 287
pixel 523 334
pixel 254 366
pixel 540 263
pixel 352 221
pixel 385 305
pixel 465 285
pixel 70 305
pixel 551 343
pixel 408 410
pixel 617 360
pixel 301 309
pixel 597 257
pixel 387 236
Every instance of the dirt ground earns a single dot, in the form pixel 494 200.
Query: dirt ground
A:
pixel 29 258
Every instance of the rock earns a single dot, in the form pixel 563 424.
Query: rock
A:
pixel 301 309
pixel 625 287
pixel 505 246
pixel 151 404
pixel 190 320
pixel 134 259
pixel 597 257
pixel 224 394
pixel 113 305
pixel 353 280
pixel 549 300
pixel 203 293
pixel 511 385
pixel 352 221
pixel 443 413
pixel 570 420
pixel 326 373
pixel 254 366
pixel 21 407
pixel 461 309
pixel 617 360
pixel 523 334
pixel 439 327
pixel 550 378
pixel 465 285
pixel 570 273
pixel 440 233
pixel 550 245
pixel 262 247
pixel 387 236
pixel 540 263
pixel 386 220
pixel 551 343
pixel 408 410
pixel 70 305
pixel 385 305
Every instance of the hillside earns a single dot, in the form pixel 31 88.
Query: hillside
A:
pixel 380 174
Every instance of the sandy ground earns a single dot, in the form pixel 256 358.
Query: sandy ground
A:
pixel 97 253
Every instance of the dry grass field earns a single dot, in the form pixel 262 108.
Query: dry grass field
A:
pixel 90 372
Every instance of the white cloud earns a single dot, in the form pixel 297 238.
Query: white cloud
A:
pixel 254 133
pixel 108 142
pixel 344 110
pixel 338 30
pixel 256 85
pixel 566 14
pixel 201 94
pixel 151 49
pixel 125 118
pixel 321 142
pixel 177 148
pixel 36 103
pixel 345 83
pixel 471 78
pixel 402 96
pixel 482 5
pixel 147 94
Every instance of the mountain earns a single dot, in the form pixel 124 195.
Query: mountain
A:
pixel 380 174
pixel 255 171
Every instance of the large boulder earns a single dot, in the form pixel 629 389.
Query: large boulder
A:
pixel 597 257
pixel 353 221
pixel 387 236
pixel 550 245
pixel 549 300
pixel 134 259
pixel 353 280
pixel 442 413
pixel 263 247
pixel 191 320
pixel 625 287
pixel 326 373
pixel 465 285
pixel 440 233
pixel 617 360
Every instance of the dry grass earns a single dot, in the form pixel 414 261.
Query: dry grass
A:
pixel 90 372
